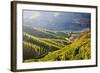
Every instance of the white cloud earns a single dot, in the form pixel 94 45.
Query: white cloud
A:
pixel 30 14
pixel 56 14
pixel 34 15
pixel 76 21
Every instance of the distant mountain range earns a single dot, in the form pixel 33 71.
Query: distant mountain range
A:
pixel 62 27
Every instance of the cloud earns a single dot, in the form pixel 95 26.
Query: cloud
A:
pixel 35 15
pixel 30 15
pixel 56 14
pixel 76 21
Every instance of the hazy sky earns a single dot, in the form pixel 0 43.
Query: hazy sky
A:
pixel 57 20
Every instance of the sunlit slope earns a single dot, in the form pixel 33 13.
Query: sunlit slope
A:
pixel 35 47
pixel 79 50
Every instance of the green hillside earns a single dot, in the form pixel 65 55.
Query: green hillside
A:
pixel 78 50
pixel 33 51
pixel 37 40
pixel 35 47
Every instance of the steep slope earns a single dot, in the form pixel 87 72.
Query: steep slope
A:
pixel 35 47
pixel 78 50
